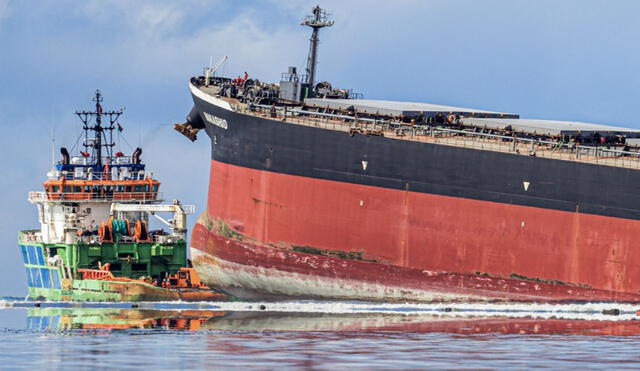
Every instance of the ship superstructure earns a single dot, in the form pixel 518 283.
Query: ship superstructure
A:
pixel 94 242
pixel 316 192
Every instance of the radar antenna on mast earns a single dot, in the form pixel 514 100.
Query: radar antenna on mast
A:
pixel 100 138
pixel 316 21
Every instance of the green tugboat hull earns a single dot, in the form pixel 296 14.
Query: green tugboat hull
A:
pixel 64 281
pixel 103 291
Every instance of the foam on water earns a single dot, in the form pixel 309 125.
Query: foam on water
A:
pixel 318 335
pixel 576 311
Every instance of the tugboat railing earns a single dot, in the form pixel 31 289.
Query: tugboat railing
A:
pixel 40 196
pixel 133 175
pixel 29 236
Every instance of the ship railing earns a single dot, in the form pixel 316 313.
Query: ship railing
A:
pixel 40 196
pixel 131 175
pixel 30 236
pixel 530 146
pixel 189 209
pixel 309 118
pixel 537 147
pixel 112 160
pixel 92 238
pixel 85 176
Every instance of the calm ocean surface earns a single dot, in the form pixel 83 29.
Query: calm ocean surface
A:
pixel 121 338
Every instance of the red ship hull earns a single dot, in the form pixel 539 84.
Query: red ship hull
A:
pixel 271 235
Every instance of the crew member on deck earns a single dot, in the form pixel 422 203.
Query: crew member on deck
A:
pixel 451 118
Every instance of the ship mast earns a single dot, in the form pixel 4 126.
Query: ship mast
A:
pixel 100 139
pixel 316 21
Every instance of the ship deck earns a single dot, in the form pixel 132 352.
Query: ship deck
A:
pixel 536 138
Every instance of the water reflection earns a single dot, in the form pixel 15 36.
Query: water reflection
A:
pixel 109 319
pixel 55 319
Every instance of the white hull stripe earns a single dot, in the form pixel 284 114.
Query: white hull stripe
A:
pixel 209 99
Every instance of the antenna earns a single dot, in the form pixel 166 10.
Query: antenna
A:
pixel 316 21
pixel 100 138
pixel 53 151
pixel 52 136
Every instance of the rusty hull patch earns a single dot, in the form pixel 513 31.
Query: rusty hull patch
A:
pixel 552 282
pixel 522 277
pixel 223 229
pixel 227 231
pixel 350 255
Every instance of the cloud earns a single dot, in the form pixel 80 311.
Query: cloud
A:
pixel 158 40
pixel 263 41
pixel 144 18
pixel 153 38
pixel 161 41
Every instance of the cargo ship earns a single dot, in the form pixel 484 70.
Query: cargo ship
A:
pixel 94 243
pixel 317 193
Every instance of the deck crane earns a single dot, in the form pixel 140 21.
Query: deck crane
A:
pixel 208 72
pixel 178 223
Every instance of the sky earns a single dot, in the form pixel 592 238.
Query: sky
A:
pixel 564 60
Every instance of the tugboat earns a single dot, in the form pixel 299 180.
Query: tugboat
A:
pixel 94 243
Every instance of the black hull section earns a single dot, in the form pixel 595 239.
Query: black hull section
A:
pixel 270 145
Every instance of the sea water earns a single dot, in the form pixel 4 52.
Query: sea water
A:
pixel 317 335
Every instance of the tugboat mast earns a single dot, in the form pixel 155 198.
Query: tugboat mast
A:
pixel 99 139
pixel 316 21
